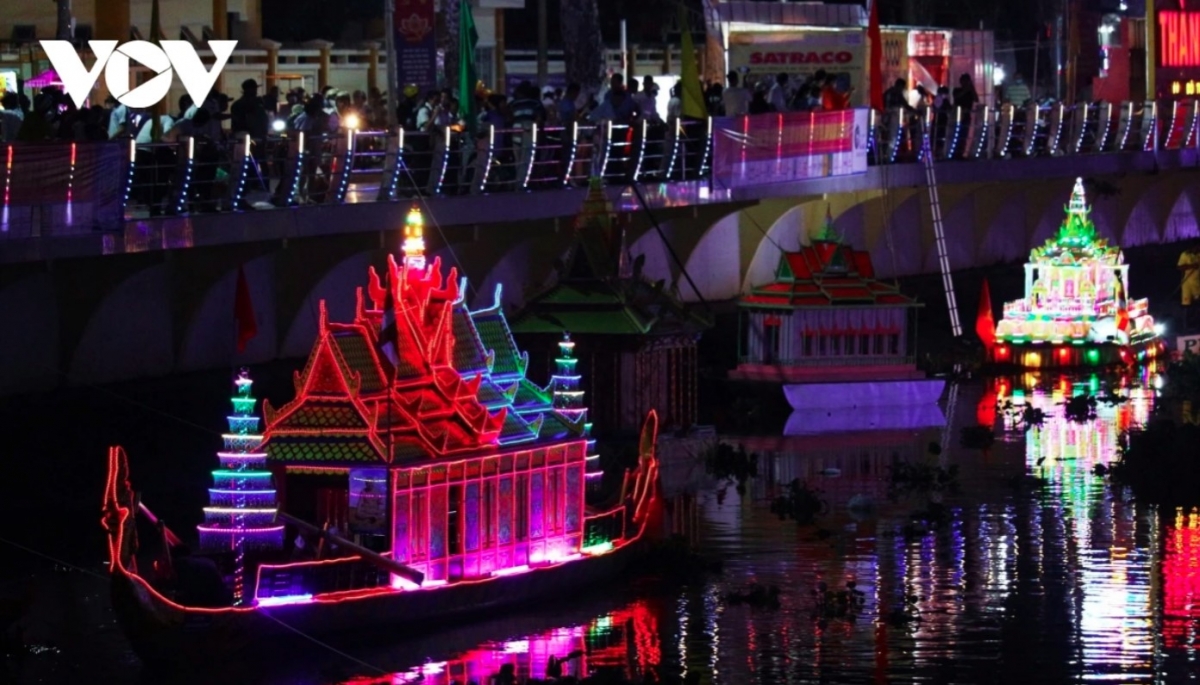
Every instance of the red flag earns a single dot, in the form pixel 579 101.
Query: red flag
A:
pixel 875 67
pixel 1122 307
pixel 985 411
pixel 243 312
pixel 985 325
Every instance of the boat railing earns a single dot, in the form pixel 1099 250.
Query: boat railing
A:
pixel 604 527
pixel 300 580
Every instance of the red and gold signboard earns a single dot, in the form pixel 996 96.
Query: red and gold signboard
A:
pixel 1177 48
pixel 416 43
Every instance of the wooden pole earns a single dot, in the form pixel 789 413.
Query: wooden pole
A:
pixel 112 20
pixel 373 65
pixel 389 565
pixel 323 69
pixel 220 19
pixel 253 27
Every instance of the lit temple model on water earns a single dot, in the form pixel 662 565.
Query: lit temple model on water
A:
pixel 1076 310
pixel 826 317
pixel 242 511
pixel 422 475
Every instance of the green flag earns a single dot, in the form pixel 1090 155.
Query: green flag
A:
pixel 689 77
pixel 468 38
pixel 156 131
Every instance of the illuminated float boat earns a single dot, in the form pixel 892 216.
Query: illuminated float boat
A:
pixel 832 333
pixel 444 482
pixel 1076 310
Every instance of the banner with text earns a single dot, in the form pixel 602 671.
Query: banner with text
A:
pixel 761 56
pixel 416 43
pixel 1188 344
pixel 793 146
pixel 61 189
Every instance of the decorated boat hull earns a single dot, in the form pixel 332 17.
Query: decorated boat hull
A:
pixel 1049 355
pixel 862 394
pixel 166 634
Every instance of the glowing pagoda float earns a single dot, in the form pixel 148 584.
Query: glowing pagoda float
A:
pixel 422 476
pixel 1076 310
pixel 635 340
pixel 835 337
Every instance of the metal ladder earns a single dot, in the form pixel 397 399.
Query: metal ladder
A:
pixel 939 233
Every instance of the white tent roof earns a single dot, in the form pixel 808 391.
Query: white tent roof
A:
pixel 814 14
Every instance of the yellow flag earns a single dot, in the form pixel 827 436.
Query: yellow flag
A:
pixel 692 91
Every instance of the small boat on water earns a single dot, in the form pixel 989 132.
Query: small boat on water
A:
pixel 1076 312
pixel 831 333
pixel 445 484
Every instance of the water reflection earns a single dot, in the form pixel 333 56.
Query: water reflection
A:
pixel 1038 570
pixel 624 642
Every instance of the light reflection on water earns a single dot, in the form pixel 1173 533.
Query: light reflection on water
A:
pixel 1042 572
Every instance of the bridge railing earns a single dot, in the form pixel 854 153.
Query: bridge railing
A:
pixel 51 188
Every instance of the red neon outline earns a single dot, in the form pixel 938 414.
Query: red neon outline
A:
pixel 116 515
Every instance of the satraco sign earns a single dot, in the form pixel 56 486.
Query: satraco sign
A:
pixel 784 57
pixel 166 58
pixel 760 55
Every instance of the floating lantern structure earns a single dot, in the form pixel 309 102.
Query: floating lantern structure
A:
pixel 1076 310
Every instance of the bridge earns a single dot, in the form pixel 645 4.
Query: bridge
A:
pixel 108 287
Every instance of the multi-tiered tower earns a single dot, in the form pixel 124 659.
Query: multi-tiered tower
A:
pixel 242 505
pixel 568 398
pixel 1076 306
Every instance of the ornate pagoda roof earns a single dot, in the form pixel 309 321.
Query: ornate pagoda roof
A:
pixel 415 376
pixel 826 274
pixel 600 290
pixel 1076 242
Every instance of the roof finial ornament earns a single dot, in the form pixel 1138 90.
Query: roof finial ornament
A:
pixel 414 239
pixel 1078 204
pixel 828 233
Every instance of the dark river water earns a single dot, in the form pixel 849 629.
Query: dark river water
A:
pixel 1038 571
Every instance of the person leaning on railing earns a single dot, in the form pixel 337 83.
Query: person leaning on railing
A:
pixel 249 115
pixel 205 133
pixel 11 117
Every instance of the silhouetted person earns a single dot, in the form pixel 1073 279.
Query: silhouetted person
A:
pixel 506 676
pixel 198 581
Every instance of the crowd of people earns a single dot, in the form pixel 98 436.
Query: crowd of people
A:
pixel 265 117
pixel 51 115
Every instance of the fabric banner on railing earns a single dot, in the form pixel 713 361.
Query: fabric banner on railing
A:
pixel 55 188
pixel 792 146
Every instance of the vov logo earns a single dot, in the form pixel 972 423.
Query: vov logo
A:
pixel 173 57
